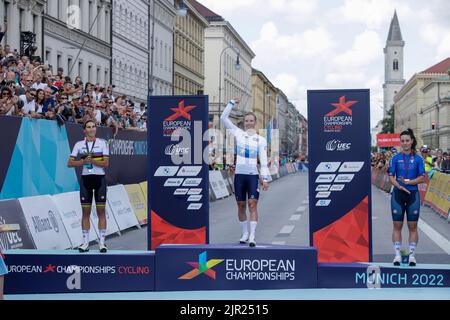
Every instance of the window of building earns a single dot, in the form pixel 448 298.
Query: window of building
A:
pixel 69 65
pixel 58 61
pixel 47 56
pixel 90 73
pixel 21 20
pixel 396 65
pixel 98 75
pixel 80 69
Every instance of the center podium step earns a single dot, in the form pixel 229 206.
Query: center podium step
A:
pixel 235 267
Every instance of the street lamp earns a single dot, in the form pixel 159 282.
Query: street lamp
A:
pixel 237 67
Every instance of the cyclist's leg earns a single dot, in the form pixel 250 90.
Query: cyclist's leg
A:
pixel 241 200
pixel 100 201
pixel 86 197
pixel 253 206
pixel 413 214
pixel 398 214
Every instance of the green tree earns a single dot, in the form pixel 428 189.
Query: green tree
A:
pixel 388 122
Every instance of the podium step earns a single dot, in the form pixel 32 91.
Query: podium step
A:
pixel 235 267
pixel 364 275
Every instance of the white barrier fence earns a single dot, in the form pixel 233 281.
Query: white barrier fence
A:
pixel 69 207
pixel 45 224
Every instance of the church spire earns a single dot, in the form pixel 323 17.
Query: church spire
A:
pixel 395 34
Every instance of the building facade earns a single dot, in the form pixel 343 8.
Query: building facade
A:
pixel 282 120
pixel 22 16
pixel 394 64
pixel 410 101
pixel 294 129
pixel 189 52
pixel 436 113
pixel 224 77
pixel 163 15
pixel 264 96
pixel 77 38
pixel 303 137
pixel 130 49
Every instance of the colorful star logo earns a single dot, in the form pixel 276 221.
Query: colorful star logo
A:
pixel 342 106
pixel 50 268
pixel 202 267
pixel 181 111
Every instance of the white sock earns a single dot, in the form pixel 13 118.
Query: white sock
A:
pixel 85 236
pixel 412 248
pixel 253 225
pixel 244 227
pixel 102 236
pixel 397 248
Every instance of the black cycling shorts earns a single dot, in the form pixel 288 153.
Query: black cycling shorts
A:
pixel 93 185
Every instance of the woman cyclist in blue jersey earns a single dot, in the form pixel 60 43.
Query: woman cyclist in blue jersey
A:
pixel 250 146
pixel 406 171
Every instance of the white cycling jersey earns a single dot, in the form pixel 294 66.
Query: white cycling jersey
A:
pixel 248 148
pixel 97 149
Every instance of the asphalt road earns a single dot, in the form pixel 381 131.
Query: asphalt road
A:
pixel 284 219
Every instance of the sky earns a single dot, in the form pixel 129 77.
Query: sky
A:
pixel 336 44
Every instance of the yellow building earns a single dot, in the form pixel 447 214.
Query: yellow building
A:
pixel 264 95
pixel 189 52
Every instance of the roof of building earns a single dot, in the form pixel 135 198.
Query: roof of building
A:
pixel 442 67
pixel 395 34
pixel 207 13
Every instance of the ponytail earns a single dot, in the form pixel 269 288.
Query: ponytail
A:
pixel 409 132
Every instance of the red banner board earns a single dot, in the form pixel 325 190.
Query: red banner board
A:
pixel 388 140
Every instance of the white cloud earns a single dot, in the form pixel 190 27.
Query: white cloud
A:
pixel 273 47
pixel 366 48
pixel 228 6
pixel 375 14
pixel 294 11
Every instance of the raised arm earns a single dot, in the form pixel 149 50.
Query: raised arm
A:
pixel 225 117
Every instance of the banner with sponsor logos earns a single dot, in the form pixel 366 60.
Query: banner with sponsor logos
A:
pixel 11 213
pixel 228 267
pixel 138 202
pixel 44 222
pixel 69 207
pixel 44 272
pixel 178 175
pixel 32 164
pixel 128 153
pixel 34 156
pixel 340 175
pixel 121 207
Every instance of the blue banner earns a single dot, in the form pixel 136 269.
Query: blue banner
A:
pixel 178 175
pixel 339 175
pixel 32 272
pixel 361 275
pixel 234 267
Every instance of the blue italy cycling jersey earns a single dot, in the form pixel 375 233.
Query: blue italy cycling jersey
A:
pixel 408 166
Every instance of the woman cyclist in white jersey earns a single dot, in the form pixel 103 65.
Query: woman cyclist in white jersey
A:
pixel 94 158
pixel 250 147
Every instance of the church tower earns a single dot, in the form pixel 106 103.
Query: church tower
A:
pixel 393 56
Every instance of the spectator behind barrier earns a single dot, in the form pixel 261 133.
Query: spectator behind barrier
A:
pixel 30 89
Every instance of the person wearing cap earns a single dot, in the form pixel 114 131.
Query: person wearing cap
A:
pixel 427 159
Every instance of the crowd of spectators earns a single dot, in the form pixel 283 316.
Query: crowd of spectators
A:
pixel 440 161
pixel 30 88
